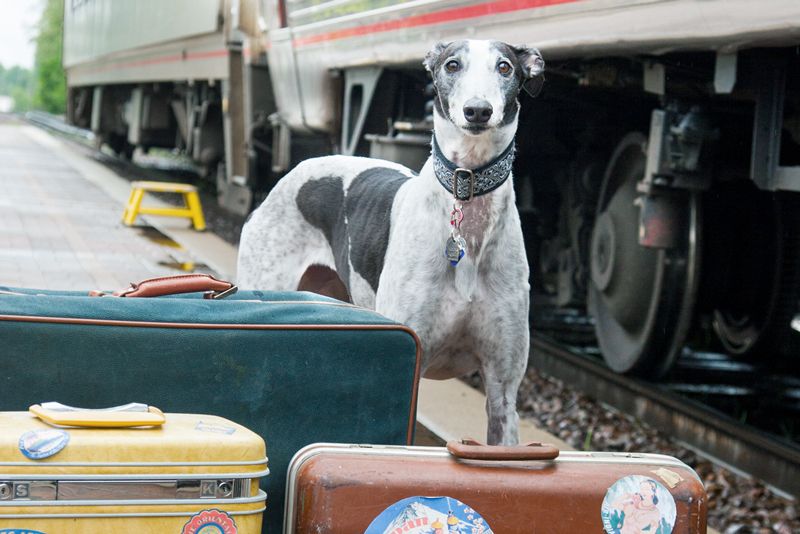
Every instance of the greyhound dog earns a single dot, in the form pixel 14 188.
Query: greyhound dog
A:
pixel 442 251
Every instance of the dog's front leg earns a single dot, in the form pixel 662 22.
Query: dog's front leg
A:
pixel 501 409
pixel 504 358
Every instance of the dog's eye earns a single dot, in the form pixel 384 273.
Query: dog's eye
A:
pixel 452 65
pixel 504 68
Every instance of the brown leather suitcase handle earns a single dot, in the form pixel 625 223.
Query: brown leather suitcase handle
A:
pixel 469 449
pixel 174 285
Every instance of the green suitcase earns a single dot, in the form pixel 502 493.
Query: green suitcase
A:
pixel 296 368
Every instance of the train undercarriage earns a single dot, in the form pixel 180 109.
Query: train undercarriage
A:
pixel 663 199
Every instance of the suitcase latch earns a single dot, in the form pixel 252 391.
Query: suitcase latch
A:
pixel 216 489
pixel 28 490
pixel 216 295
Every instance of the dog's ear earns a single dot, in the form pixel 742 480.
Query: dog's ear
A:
pixel 533 68
pixel 433 54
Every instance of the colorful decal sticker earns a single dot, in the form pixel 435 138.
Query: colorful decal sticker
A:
pixel 428 515
pixel 638 504
pixel 210 522
pixel 38 444
pixel 214 428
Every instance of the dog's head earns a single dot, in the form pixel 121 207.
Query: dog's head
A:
pixel 477 82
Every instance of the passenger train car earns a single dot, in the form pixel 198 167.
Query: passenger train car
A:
pixel 657 173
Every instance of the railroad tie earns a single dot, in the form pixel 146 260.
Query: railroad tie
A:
pixel 192 209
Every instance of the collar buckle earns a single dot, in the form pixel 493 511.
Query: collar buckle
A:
pixel 464 174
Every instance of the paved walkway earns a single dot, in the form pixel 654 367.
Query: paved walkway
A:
pixel 60 230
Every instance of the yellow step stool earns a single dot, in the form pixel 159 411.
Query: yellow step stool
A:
pixel 191 210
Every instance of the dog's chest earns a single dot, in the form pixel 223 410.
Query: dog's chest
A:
pixel 480 216
pixel 451 335
pixel 425 220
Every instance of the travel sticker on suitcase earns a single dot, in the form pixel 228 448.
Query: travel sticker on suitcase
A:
pixel 429 515
pixel 42 443
pixel 638 504
pixel 210 522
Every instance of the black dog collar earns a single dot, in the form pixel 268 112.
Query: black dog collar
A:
pixel 465 184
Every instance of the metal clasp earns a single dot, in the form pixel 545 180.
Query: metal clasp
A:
pixel 465 173
pixel 216 295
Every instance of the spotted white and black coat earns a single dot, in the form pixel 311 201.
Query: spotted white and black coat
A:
pixel 383 229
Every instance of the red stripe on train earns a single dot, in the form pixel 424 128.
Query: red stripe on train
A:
pixel 436 17
pixel 190 56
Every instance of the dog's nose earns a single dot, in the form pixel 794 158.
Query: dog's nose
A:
pixel 477 110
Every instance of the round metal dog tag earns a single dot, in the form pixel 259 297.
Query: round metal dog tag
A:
pixel 454 249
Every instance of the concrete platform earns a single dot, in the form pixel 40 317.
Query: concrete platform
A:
pixel 204 247
pixel 60 215
pixel 452 410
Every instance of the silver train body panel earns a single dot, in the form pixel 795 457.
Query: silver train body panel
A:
pixel 111 42
pixel 203 57
pixel 318 39
pixel 114 42
pixel 107 41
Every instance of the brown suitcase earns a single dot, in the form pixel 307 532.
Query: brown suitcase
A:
pixel 477 489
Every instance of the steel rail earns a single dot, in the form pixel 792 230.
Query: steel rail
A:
pixel 52 122
pixel 757 453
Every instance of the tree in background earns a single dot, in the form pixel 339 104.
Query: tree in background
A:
pixel 50 92
pixel 17 82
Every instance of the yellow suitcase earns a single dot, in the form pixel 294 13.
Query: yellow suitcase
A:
pixel 102 471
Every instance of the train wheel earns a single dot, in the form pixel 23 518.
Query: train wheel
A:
pixel 641 298
pixel 757 256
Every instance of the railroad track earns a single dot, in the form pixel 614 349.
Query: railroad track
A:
pixel 52 122
pixel 715 434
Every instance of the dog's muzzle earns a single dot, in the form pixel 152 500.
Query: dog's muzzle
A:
pixel 477 111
